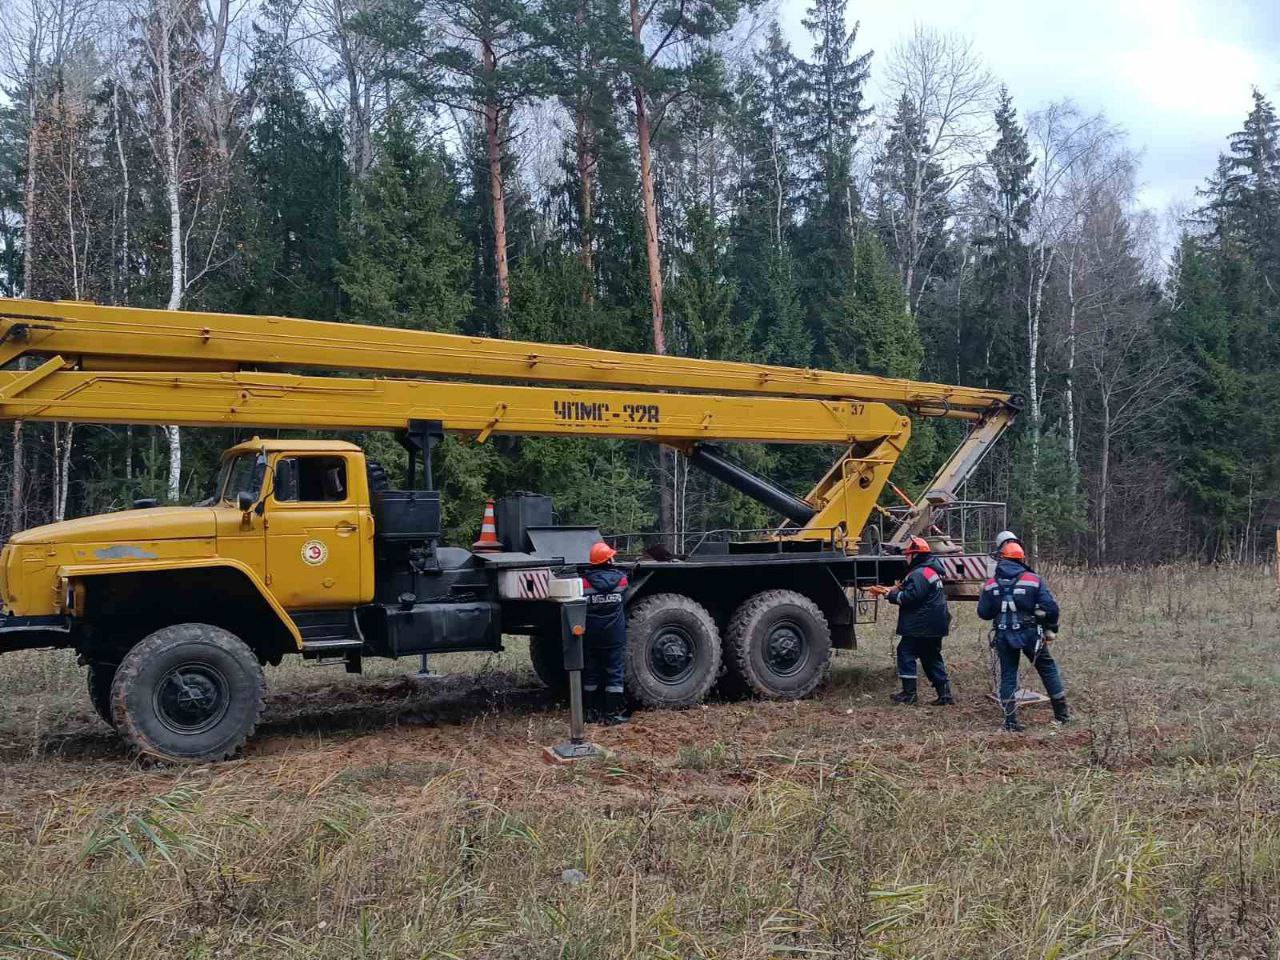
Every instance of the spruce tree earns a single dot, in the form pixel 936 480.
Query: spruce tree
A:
pixel 912 210
pixel 300 192
pixel 873 332
pixel 702 298
pixel 830 110
pixel 762 227
pixel 992 345
pixel 406 264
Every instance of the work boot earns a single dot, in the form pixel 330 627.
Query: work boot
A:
pixel 1011 724
pixel 945 699
pixel 908 694
pixel 592 706
pixel 1060 712
pixel 615 709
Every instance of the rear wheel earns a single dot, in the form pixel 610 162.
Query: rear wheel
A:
pixel 778 645
pixel 673 651
pixel 99 678
pixel 547 655
pixel 190 692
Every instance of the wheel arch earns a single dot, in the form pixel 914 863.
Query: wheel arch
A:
pixel 222 592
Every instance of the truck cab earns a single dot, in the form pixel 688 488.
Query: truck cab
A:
pixel 291 518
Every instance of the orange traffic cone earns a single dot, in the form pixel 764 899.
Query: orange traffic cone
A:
pixel 488 541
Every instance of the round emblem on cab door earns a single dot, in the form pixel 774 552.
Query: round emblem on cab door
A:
pixel 314 552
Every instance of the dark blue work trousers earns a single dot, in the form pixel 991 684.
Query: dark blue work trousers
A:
pixel 928 650
pixel 604 654
pixel 1041 659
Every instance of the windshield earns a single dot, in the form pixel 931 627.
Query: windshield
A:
pixel 241 474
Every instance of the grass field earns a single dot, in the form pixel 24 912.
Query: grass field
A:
pixel 384 818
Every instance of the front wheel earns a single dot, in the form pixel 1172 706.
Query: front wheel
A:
pixel 189 692
pixel 673 651
pixel 778 645
pixel 99 678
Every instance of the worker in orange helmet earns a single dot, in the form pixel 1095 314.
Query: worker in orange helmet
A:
pixel 1024 619
pixel 924 620
pixel 604 586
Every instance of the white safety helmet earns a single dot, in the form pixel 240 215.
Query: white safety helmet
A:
pixel 1004 536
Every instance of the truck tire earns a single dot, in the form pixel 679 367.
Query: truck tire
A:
pixel 547 656
pixel 673 651
pixel 778 645
pixel 190 692
pixel 99 677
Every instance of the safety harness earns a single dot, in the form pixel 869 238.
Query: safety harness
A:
pixel 1011 620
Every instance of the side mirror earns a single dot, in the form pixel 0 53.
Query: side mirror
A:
pixel 244 500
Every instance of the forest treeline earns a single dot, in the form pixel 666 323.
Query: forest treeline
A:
pixel 653 175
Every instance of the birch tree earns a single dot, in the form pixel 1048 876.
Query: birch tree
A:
pixel 1061 137
pixel 942 95
pixel 36 40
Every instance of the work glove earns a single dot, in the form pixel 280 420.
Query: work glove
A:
pixel 877 590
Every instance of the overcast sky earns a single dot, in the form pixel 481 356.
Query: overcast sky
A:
pixel 1175 74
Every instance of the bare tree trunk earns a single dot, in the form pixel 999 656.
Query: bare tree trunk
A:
pixel 177 255
pixel 1104 475
pixel 586 213
pixel 1069 386
pixel 1035 308
pixel 774 150
pixel 497 189
pixel 63 433
pixel 17 513
pixel 666 497
pixel 29 189
pixel 650 220
pixel 650 223
pixel 123 261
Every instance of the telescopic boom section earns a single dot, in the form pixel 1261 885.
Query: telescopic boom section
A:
pixel 125 338
pixel 124 365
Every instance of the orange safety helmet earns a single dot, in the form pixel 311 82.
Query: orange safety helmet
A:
pixel 1013 551
pixel 917 545
pixel 601 553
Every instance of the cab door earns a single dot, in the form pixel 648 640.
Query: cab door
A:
pixel 316 527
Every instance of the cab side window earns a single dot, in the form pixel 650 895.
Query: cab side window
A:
pixel 311 480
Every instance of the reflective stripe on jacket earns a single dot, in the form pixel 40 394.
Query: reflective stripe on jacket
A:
pixel 1026 592
pixel 922 602
pixel 603 589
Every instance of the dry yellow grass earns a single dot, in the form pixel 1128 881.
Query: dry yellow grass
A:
pixel 375 819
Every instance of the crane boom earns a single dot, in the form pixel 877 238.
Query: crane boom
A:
pixel 128 365
pixel 116 338
pixel 293 401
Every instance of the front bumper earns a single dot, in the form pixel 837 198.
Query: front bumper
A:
pixel 27 633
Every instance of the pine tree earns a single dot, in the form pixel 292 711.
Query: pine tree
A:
pixel 406 264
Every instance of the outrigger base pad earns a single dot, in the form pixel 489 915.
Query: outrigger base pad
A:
pixel 571 752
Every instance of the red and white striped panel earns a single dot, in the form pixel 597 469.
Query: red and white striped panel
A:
pixel 534 584
pixel 974 566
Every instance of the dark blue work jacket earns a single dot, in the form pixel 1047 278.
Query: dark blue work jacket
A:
pixel 603 589
pixel 1010 600
pixel 922 602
